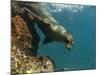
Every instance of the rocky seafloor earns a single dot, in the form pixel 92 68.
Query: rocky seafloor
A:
pixel 24 46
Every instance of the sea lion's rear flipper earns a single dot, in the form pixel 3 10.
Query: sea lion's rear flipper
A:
pixel 47 40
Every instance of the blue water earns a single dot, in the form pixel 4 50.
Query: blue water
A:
pixel 82 25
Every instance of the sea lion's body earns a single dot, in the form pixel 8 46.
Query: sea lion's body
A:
pixel 47 24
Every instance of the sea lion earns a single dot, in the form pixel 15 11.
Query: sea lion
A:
pixel 55 32
pixel 48 25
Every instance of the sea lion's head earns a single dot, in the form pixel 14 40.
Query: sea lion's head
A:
pixel 69 41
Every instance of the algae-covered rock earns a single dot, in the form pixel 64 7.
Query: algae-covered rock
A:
pixel 24 48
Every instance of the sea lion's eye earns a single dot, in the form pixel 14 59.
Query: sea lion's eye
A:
pixel 67 41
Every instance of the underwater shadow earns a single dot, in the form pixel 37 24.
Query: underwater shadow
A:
pixel 35 36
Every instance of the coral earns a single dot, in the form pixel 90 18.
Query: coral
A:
pixel 24 48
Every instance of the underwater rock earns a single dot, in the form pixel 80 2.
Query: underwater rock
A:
pixel 23 60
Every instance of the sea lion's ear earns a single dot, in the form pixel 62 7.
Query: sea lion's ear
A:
pixel 47 40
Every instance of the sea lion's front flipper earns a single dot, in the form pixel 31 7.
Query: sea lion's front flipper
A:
pixel 47 40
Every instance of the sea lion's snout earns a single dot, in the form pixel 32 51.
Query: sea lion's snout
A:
pixel 69 42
